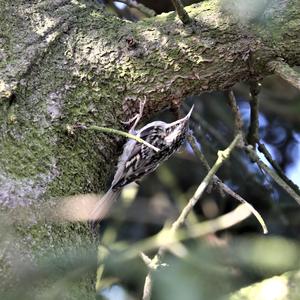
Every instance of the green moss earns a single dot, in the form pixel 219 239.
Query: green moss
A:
pixel 64 261
pixel 59 237
pixel 21 159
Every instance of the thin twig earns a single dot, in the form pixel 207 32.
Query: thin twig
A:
pixel 218 136
pixel 280 177
pixel 254 157
pixel 192 141
pixel 150 263
pixel 233 194
pixel 167 237
pixel 253 132
pixel 139 6
pixel 224 187
pixel 285 72
pixel 238 122
pixel 262 148
pixel 222 156
pixel 147 291
pixel 181 12
pixel 117 132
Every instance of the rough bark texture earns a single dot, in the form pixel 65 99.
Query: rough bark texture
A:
pixel 67 61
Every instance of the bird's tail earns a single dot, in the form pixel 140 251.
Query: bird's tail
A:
pixel 103 206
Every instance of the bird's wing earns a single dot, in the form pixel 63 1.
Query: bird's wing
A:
pixel 133 163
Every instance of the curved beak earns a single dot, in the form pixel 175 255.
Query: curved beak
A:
pixel 190 112
pixel 184 119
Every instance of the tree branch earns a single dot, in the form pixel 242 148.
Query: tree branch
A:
pixel 80 63
pixel 254 157
pixel 238 122
pixel 222 156
pixel 181 12
pixel 253 131
pixel 280 178
pixel 283 70
pixel 262 148
pixel 167 237
pixel 223 187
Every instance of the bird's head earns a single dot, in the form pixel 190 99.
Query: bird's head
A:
pixel 176 131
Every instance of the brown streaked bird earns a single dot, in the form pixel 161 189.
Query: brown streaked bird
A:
pixel 138 160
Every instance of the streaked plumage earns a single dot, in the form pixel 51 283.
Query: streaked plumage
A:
pixel 138 159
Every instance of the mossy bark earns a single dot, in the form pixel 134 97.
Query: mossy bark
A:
pixel 64 61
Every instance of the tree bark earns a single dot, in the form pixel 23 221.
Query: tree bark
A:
pixel 64 61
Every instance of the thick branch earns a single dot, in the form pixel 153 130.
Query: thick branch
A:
pixel 285 72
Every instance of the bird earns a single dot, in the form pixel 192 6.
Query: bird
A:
pixel 138 160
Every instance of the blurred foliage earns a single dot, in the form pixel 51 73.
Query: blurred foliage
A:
pixel 284 287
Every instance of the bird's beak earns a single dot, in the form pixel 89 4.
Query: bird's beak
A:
pixel 184 119
pixel 187 117
pixel 190 112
